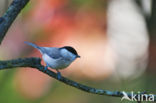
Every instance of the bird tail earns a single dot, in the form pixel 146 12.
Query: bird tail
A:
pixel 33 45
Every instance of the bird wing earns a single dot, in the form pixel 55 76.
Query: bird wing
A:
pixel 52 52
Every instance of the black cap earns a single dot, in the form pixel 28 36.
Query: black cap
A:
pixel 72 50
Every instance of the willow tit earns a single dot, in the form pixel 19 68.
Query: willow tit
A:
pixel 56 58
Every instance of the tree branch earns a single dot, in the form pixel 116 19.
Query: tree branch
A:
pixel 7 19
pixel 5 22
pixel 36 63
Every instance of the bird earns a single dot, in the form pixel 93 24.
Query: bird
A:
pixel 55 57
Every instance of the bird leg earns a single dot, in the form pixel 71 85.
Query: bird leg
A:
pixel 46 68
pixel 58 74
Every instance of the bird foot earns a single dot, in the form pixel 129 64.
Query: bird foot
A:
pixel 58 75
pixel 46 68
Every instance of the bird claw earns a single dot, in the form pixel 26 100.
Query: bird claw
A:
pixel 58 75
pixel 46 68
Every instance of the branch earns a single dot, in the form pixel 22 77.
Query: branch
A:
pixel 7 19
pixel 36 63
pixel 5 22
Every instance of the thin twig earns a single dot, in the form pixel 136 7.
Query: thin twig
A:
pixel 35 63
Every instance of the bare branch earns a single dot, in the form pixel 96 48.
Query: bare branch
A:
pixel 5 22
pixel 7 19
pixel 35 63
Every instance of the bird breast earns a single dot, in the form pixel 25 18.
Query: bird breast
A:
pixel 58 63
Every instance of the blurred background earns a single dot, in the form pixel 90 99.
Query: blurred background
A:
pixel 115 39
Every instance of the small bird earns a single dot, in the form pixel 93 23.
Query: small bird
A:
pixel 57 58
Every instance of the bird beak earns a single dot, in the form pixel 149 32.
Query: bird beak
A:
pixel 78 56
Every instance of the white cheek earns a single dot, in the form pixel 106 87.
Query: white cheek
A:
pixel 68 55
pixel 64 52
